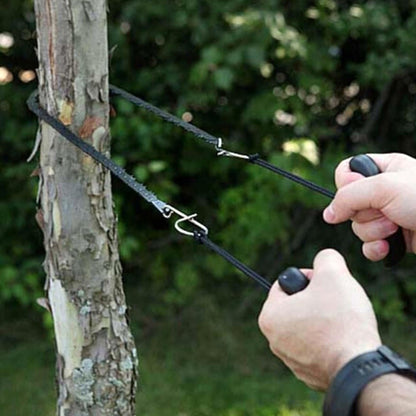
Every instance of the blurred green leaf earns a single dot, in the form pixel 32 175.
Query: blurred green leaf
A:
pixel 224 78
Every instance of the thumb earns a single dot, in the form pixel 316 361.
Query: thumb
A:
pixel 329 264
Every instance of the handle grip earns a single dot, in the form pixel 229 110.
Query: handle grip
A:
pixel 366 166
pixel 292 280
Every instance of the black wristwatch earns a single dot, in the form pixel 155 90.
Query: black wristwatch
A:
pixel 344 390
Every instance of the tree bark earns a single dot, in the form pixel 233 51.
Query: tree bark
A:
pixel 96 357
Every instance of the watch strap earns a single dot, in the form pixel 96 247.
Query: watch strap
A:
pixel 343 392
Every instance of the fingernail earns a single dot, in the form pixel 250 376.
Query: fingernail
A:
pixel 329 214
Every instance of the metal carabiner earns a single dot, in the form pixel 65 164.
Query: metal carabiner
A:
pixel 169 210
pixel 227 153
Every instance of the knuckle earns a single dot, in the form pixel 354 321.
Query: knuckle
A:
pixel 369 231
pixel 340 171
pixel 328 260
pixel 400 159
pixel 386 187
pixel 373 251
pixel 368 252
pixel 384 183
pixel 341 197
pixel 273 348
pixel 355 226
pixel 327 254
pixel 341 204
pixel 265 322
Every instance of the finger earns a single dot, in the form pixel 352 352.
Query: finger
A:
pixel 374 192
pixel 272 304
pixel 308 273
pixel 276 293
pixel 376 250
pixel 375 230
pixel 368 215
pixel 344 175
pixel 388 162
pixel 393 162
pixel 270 309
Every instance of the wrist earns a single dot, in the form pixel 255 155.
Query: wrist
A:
pixel 351 380
pixel 400 392
pixel 345 355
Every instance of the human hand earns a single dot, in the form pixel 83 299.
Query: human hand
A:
pixel 316 331
pixel 377 205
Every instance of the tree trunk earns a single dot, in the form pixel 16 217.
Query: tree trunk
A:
pixel 96 357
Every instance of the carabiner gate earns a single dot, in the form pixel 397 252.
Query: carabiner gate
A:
pixel 227 153
pixel 169 210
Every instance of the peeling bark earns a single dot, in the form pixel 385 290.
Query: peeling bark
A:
pixel 96 357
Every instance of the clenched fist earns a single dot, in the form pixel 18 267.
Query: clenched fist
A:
pixel 316 331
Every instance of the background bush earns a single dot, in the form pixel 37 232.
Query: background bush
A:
pixel 304 83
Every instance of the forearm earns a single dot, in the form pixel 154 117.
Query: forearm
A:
pixel 389 395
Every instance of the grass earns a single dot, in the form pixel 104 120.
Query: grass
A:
pixel 189 366
pixel 207 361
pixel 27 380
pixel 169 386
pixel 192 389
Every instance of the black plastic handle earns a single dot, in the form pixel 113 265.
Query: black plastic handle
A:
pixel 366 166
pixel 292 280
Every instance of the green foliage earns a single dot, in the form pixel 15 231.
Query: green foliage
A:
pixel 19 285
pixel 268 77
